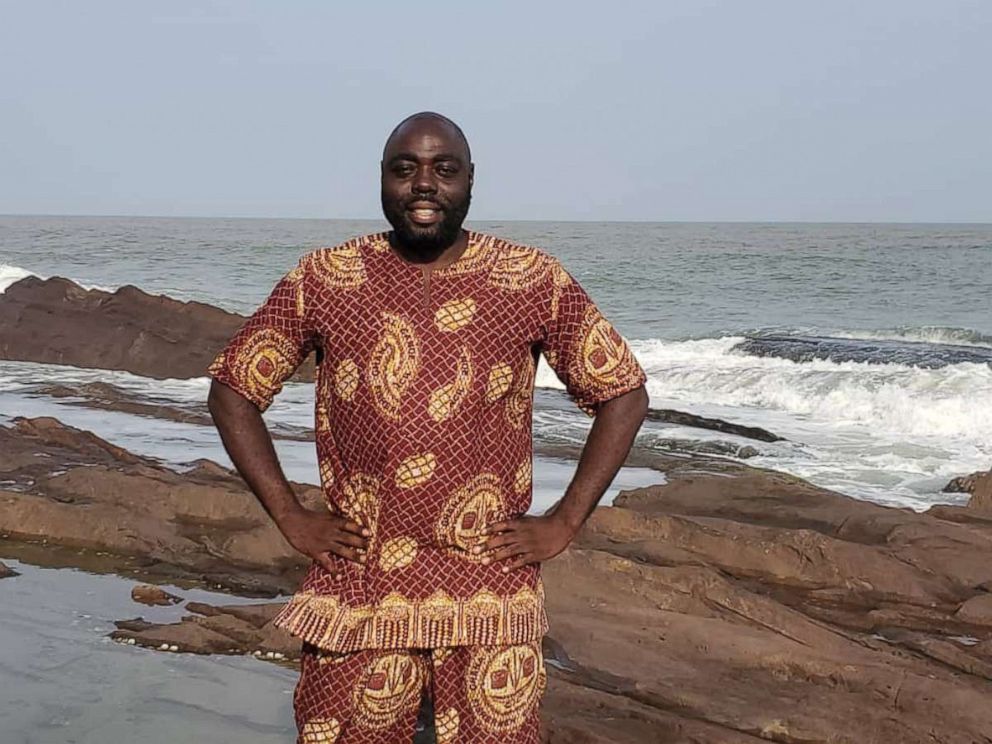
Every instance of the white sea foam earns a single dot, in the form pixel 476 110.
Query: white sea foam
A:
pixel 890 433
pixel 11 274
pixel 923 334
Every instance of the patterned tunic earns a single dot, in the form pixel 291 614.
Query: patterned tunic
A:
pixel 423 408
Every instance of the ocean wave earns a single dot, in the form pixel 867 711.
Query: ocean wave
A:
pixel 923 334
pixel 11 274
pixel 951 403
pixel 875 351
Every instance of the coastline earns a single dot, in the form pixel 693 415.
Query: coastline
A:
pixel 725 604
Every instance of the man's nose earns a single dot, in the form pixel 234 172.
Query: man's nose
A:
pixel 424 182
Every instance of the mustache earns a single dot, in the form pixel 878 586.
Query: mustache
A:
pixel 424 200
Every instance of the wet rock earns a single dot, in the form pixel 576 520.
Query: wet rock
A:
pixel 85 493
pixel 6 571
pixel 153 595
pixel 963 483
pixel 981 494
pixel 731 604
pixel 700 422
pixel 154 336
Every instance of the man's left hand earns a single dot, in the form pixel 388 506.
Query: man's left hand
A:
pixel 524 540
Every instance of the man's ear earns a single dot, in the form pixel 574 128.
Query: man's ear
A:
pixel 471 174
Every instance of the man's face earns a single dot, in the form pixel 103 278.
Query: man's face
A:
pixel 426 185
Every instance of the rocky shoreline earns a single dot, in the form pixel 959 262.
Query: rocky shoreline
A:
pixel 730 605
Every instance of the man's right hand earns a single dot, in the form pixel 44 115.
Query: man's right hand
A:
pixel 319 534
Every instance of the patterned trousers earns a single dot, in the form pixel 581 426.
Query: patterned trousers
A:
pixel 481 694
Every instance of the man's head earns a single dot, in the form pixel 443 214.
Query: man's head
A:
pixel 426 181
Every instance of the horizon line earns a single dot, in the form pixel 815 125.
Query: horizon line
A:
pixel 510 220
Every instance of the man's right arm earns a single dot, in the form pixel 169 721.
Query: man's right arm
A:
pixel 249 445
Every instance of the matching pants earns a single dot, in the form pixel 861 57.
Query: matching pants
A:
pixel 481 694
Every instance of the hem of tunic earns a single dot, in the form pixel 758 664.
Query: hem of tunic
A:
pixel 484 619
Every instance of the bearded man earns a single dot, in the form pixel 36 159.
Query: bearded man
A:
pixel 425 573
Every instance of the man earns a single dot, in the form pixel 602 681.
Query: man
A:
pixel 426 569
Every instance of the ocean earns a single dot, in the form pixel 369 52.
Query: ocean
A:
pixel 899 404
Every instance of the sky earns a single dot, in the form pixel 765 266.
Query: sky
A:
pixel 765 110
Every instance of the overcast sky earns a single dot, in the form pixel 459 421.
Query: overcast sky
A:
pixel 874 110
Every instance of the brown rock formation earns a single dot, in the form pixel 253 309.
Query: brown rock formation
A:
pixel 6 571
pixel 58 322
pixel 72 488
pixel 154 596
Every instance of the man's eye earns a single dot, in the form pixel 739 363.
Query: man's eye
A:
pixel 447 170
pixel 403 170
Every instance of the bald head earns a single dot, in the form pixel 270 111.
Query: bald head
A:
pixel 432 123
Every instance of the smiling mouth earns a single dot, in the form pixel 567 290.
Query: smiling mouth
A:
pixel 422 215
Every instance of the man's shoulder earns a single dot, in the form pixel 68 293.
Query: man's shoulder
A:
pixel 354 247
pixel 511 250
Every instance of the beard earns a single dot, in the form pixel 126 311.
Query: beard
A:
pixel 426 241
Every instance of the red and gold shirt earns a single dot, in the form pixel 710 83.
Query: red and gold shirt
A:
pixel 423 403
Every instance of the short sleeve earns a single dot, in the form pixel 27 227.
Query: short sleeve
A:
pixel 587 353
pixel 270 346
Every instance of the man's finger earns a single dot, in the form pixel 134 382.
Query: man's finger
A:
pixel 494 543
pixel 495 527
pixel 349 538
pixel 502 554
pixel 349 525
pixel 348 553
pixel 519 562
pixel 327 563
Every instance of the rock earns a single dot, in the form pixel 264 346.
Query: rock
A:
pixel 153 595
pixel 981 494
pixel 977 610
pixel 963 483
pixel 6 571
pixel 700 422
pixel 86 493
pixel 731 604
pixel 131 330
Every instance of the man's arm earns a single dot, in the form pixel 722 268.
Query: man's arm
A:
pixel 534 539
pixel 249 445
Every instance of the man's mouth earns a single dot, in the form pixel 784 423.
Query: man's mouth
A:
pixel 423 213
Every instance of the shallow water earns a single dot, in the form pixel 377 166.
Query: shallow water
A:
pixel 62 681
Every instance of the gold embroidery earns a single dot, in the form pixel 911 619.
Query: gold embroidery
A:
pixel 519 268
pixel 341 267
pixel 397 622
pixel 505 685
pixel 415 470
pixel 399 552
pixel 390 686
pixel 346 379
pixel 320 731
pixel 266 358
pixel 467 513
pixel 394 364
pixel 500 379
pixel 519 399
pixel 446 399
pixel 560 279
pixel 603 357
pixel 454 314
pixel 446 726
pixel 360 500
pixel 522 478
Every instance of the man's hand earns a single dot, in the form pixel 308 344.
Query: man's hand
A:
pixel 525 540
pixel 319 534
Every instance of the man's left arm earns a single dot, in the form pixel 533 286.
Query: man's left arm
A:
pixel 604 379
pixel 532 539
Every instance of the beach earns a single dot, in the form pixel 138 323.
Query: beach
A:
pixel 780 559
